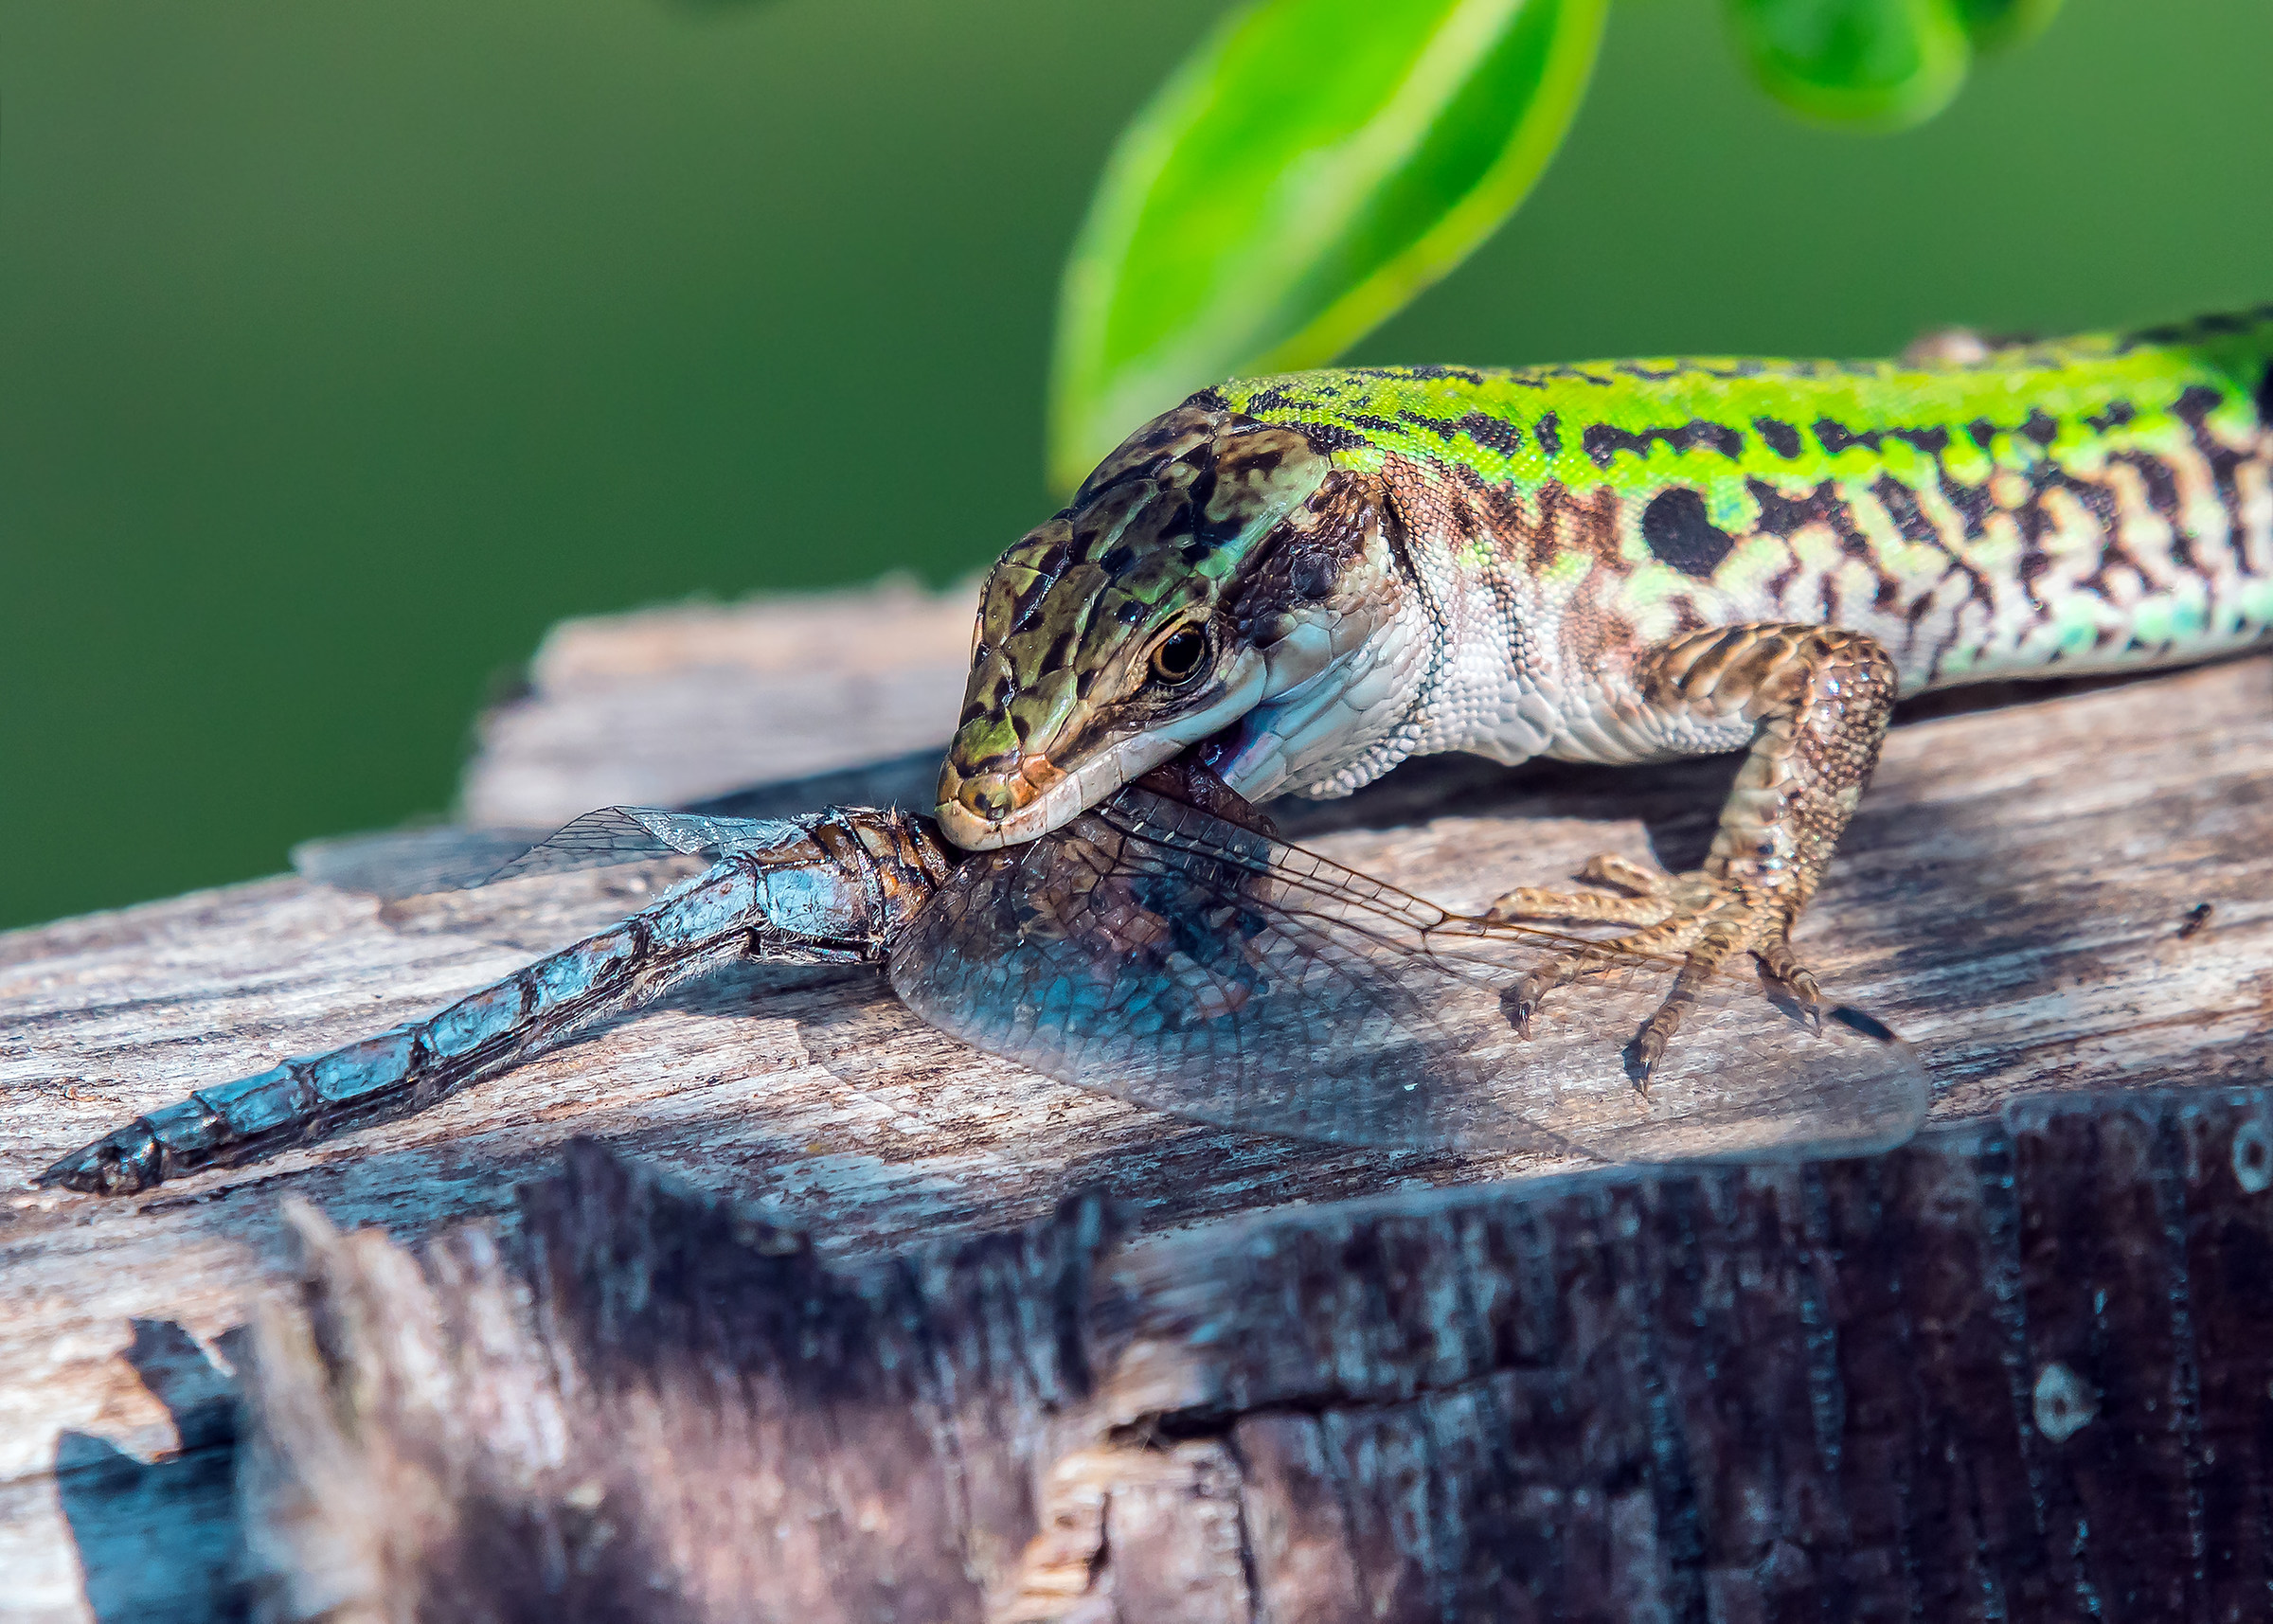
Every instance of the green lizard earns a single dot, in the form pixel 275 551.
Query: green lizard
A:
pixel 1323 574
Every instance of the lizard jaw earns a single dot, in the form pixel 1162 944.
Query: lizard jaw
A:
pixel 1067 797
pixel 1052 797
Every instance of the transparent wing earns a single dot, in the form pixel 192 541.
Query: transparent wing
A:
pixel 634 834
pixel 1153 952
pixel 400 864
pixel 415 863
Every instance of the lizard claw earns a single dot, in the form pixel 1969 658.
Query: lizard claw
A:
pixel 1643 1054
pixel 1521 1002
pixel 1702 919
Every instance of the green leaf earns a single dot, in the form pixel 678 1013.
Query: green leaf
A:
pixel 2000 25
pixel 1306 171
pixel 1881 64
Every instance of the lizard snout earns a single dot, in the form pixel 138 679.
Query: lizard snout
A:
pixel 999 803
pixel 1012 797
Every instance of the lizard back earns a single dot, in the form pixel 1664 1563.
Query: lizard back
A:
pixel 2084 503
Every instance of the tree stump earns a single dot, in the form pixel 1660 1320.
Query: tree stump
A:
pixel 1735 1391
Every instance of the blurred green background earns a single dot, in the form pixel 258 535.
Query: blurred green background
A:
pixel 346 345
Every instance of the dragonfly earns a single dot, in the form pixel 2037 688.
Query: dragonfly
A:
pixel 1166 948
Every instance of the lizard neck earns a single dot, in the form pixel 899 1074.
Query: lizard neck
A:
pixel 1442 659
pixel 1381 695
pixel 1347 721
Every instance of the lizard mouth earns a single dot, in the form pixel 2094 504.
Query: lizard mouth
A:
pixel 1028 799
pixel 1018 798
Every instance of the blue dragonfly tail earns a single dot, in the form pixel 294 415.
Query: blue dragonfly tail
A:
pixel 833 887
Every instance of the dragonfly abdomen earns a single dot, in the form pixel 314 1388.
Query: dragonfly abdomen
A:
pixel 832 890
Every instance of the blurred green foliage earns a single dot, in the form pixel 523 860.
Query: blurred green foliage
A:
pixel 1999 25
pixel 1877 64
pixel 343 348
pixel 1874 64
pixel 1302 174
pixel 1315 163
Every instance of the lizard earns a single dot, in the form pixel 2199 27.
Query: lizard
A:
pixel 1310 578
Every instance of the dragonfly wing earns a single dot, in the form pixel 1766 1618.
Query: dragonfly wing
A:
pixel 1156 953
pixel 600 839
pixel 412 863
pixel 1174 983
pixel 399 864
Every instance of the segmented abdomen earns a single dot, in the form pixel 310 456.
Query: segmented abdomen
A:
pixel 834 888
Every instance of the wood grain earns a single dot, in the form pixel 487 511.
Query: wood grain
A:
pixel 2020 895
pixel 676 705
pixel 1952 1382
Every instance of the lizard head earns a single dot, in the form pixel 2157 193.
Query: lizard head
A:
pixel 1210 567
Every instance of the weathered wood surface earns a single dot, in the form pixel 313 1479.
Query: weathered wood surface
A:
pixel 2018 1373
pixel 2020 894
pixel 676 705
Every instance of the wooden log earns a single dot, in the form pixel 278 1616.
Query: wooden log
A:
pixel 2022 894
pixel 2020 1371
pixel 677 704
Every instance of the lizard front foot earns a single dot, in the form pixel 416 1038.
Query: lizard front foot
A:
pixel 1698 918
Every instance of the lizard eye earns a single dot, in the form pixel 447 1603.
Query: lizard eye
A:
pixel 1179 657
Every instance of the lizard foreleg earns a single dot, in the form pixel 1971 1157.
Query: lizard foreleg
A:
pixel 1819 700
